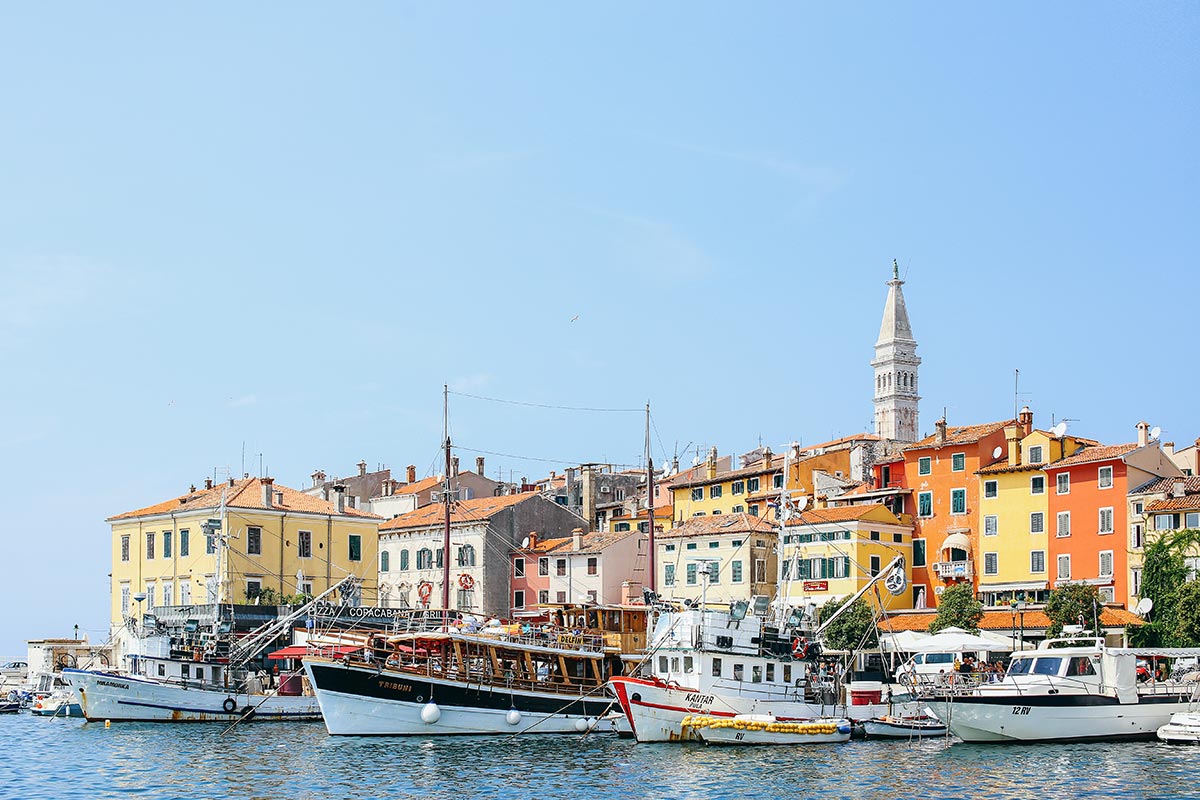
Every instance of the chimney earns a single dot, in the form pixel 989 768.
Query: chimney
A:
pixel 675 464
pixel 318 477
pixel 208 483
pixel 362 468
pixel 192 489
pixel 532 539
pixel 1013 435
pixel 454 467
pixel 230 481
pixel 1178 488
pixel 268 494
pixel 340 491
pixel 1169 448
pixel 479 465
pixel 768 458
pixel 577 539
pixel 711 465
pixel 1143 429
pixel 940 425
pixel 1025 419
pixel 411 474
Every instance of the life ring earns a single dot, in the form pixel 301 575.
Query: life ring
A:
pixel 424 589
pixel 229 705
pixel 800 648
pixel 466 582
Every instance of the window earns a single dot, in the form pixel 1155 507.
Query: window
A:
pixel 1035 454
pixel 593 566
pixel 304 544
pixel 739 672
pixel 691 574
pixel 466 556
pixel 1037 561
pixel 777 481
pixel 149 595
pixel 1166 522
pixel 670 548
pixel 619 494
pixel 958 501
pixel 739 509
pixel 898 538
pixel 1106 477
pixel 167 546
pixel 1136 538
pixel 168 597
pixel 691 545
pixel 689 665
pixel 150 545
pixel 752 509
pixel 760 570
pixel 384 560
pixel 698 494
pixel 560 597
pixel 1138 507
pixel 714 490
pixel 355 549
pixel 991 564
pixel 543 596
pixel 253 589
pixel 1106 520
pixel 1135 581
pixel 738 487
pixel 424 558
pixel 1106 563
pixel 752 485
pixel 1062 483
pixel 990 488
pixel 925 504
pixel 254 541
pixel 560 567
pixel 918 552
pixel 403 560
pixel 463 598
pixel 735 571
pixel 756 673
pixel 1107 594
pixel 787 673
pixel 1191 520
pixel 1037 484
pixel 437 557
pixel 1063 524
pixel 991 525
pixel 518 568
pixel 714 572
pixel 544 566
pixel 621 527
pixel 125 548
pixel 716 668
pixel 185 591
pixel 713 545
pixel 958 462
pixel 875 566
pixel 717 512
pixel 924 465
pixel 210 544
pixel 1037 522
pixel 668 575
pixel 1064 567
pixel 519 598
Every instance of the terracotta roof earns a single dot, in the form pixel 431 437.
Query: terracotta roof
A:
pixel 856 437
pixel 1092 454
pixel 660 512
pixel 817 516
pixel 474 510
pixel 716 525
pixel 1034 619
pixel 1191 485
pixel 1002 466
pixel 758 468
pixel 960 434
pixel 245 493
pixel 419 486
pixel 1186 503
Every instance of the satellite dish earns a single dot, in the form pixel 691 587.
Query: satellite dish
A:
pixel 1059 430
pixel 997 452
pixel 802 502
pixel 695 461
pixel 1143 607
pixel 1155 432
pixel 525 543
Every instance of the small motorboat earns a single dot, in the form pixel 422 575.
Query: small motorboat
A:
pixel 1182 728
pixel 10 706
pixel 59 703
pixel 763 729
pixel 894 727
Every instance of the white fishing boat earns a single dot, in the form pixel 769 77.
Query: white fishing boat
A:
pixel 903 727
pixel 1182 728
pixel 1067 690
pixel 765 729
pixel 61 702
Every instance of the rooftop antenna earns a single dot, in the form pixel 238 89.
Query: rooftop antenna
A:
pixel 1155 433
pixel 1060 429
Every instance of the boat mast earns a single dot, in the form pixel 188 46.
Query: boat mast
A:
pixel 446 497
pixel 650 500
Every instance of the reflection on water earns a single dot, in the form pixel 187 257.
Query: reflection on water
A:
pixel 69 758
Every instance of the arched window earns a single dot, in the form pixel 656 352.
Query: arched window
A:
pixel 424 558
pixel 384 559
pixel 403 560
pixel 466 556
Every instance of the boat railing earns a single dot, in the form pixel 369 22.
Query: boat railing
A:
pixel 510 678
pixel 947 683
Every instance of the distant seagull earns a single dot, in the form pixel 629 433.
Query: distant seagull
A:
pixel 574 318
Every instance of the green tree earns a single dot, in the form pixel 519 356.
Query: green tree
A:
pixel 1173 619
pixel 958 608
pixel 1072 604
pixel 853 630
pixel 1186 630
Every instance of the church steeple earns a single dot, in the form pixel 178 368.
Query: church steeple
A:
pixel 895 365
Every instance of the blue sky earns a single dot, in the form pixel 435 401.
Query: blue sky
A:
pixel 289 225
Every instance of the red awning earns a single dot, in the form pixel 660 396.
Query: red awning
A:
pixel 302 650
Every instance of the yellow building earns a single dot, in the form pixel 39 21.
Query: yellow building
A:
pixel 1013 543
pixel 277 539
pixel 722 558
pixel 831 553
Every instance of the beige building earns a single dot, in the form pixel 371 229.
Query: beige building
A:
pixel 725 557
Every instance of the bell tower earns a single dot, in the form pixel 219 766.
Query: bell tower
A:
pixel 895 366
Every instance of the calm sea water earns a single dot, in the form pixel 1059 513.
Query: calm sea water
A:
pixel 69 758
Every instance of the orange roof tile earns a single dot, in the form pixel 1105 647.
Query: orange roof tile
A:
pixel 419 486
pixel 718 524
pixel 687 480
pixel 1188 502
pixel 1002 466
pixel 1092 454
pixel 474 510
pixel 816 516
pixel 245 493
pixel 960 434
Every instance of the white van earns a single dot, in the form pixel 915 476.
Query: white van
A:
pixel 924 665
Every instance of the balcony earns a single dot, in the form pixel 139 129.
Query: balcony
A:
pixel 953 570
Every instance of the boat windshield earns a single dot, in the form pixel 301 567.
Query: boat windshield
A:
pixel 1020 666
pixel 1047 666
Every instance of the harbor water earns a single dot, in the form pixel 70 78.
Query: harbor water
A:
pixel 72 759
